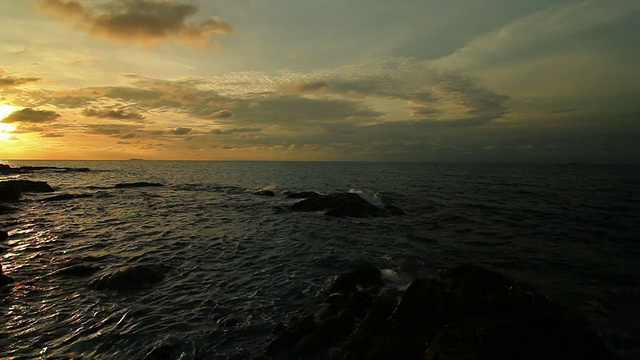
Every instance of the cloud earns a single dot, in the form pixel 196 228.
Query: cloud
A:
pixel 222 114
pixel 139 21
pixel 29 115
pixel 229 131
pixel 52 135
pixel 180 131
pixel 115 130
pixel 533 35
pixel 7 81
pixel 118 114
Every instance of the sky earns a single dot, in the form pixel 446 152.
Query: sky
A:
pixel 376 80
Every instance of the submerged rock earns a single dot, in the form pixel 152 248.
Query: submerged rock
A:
pixel 137 185
pixel 28 185
pixel 467 313
pixel 131 278
pixel 344 205
pixel 265 193
pixel 67 197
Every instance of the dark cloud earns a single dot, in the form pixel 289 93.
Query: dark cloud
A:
pixel 118 114
pixel 29 115
pixel 7 81
pixel 222 114
pixel 296 110
pixel 180 131
pixel 52 135
pixel 115 130
pixel 235 130
pixel 140 21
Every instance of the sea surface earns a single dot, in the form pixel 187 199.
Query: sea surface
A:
pixel 241 263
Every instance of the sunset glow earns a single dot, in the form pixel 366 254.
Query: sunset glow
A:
pixel 537 81
pixel 6 110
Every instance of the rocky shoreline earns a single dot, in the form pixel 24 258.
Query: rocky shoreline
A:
pixel 467 312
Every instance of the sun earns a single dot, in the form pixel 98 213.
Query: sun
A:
pixel 6 110
pixel 6 129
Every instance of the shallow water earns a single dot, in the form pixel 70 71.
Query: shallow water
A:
pixel 240 263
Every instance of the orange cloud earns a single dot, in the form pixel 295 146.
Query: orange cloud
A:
pixel 139 21
pixel 6 81
pixel 29 115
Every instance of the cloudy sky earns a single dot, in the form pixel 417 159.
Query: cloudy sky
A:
pixel 428 80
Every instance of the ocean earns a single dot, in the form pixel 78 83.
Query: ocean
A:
pixel 240 263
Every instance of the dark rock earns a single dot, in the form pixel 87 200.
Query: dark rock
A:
pixel 162 352
pixel 303 195
pixel 6 169
pixel 4 279
pixel 137 185
pixel 67 197
pixel 343 205
pixel 264 193
pixel 28 185
pixel 78 271
pixel 131 278
pixel 3 235
pixel 9 192
pixel 468 312
pixel 365 276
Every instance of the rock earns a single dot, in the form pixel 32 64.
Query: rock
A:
pixel 162 352
pixel 28 185
pixel 67 197
pixel 4 279
pixel 303 195
pixel 9 192
pixel 137 185
pixel 343 205
pixel 6 169
pixel 131 278
pixel 264 193
pixel 468 312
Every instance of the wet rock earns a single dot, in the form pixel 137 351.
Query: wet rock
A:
pixel 343 205
pixel 131 278
pixel 62 197
pixel 6 169
pixel 4 279
pixel 468 312
pixel 28 185
pixel 162 352
pixel 9 192
pixel 265 193
pixel 137 185
pixel 303 195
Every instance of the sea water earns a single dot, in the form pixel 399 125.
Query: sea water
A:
pixel 241 263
